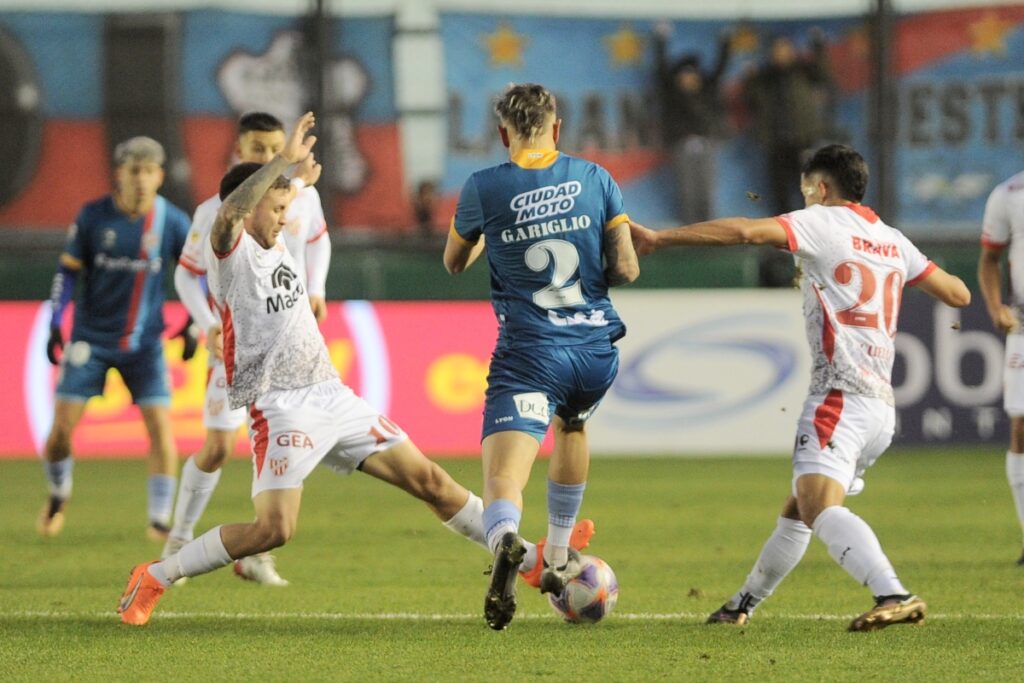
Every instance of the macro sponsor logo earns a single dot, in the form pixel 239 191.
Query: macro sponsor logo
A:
pixel 717 368
pixel 544 202
pixel 284 278
pixel 294 439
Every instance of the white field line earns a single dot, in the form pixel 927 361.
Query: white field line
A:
pixel 416 616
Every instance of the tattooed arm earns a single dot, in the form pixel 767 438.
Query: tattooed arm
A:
pixel 237 205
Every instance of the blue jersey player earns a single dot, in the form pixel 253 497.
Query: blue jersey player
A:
pixel 557 237
pixel 118 247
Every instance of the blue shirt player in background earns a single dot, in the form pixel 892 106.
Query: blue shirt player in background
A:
pixel 118 247
pixel 557 237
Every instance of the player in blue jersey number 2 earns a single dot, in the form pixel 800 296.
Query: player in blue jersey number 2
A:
pixel 557 238
pixel 118 247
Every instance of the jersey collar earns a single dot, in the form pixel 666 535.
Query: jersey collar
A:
pixel 535 158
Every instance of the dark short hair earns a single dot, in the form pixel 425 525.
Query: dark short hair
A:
pixel 844 166
pixel 259 121
pixel 240 173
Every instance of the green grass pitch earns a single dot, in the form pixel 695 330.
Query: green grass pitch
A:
pixel 380 591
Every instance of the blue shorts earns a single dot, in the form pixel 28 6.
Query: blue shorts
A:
pixel 526 387
pixel 83 372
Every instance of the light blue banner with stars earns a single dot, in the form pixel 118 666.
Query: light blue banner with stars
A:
pixel 960 103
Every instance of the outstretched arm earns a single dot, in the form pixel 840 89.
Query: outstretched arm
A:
pixel 721 232
pixel 622 264
pixel 238 204
pixel 949 289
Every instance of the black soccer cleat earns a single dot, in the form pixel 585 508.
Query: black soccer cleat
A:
pixel 500 602
pixel 724 615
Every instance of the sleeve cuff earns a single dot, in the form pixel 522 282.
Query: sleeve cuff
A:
pixel 928 270
pixel 992 244
pixel 225 254
pixel 191 267
pixel 791 243
pixel 617 220
pixel 452 232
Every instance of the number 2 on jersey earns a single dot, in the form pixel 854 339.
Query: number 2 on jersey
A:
pixel 856 315
pixel 566 260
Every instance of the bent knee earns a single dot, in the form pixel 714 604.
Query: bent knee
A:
pixel 275 532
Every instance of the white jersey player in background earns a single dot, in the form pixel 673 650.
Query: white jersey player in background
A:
pixel 260 137
pixel 854 270
pixel 300 414
pixel 1002 227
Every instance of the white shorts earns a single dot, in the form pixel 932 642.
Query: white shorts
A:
pixel 291 431
pixel 840 436
pixel 1013 376
pixel 217 411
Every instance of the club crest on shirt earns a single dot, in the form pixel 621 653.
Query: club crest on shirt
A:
pixel 109 238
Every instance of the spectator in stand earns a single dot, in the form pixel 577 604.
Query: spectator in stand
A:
pixel 692 118
pixel 788 102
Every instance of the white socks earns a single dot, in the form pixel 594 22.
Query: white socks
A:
pixel 854 546
pixel 781 553
pixel 193 495
pixel 200 556
pixel 469 521
pixel 1015 475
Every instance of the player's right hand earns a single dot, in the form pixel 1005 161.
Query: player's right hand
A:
pixel 55 346
pixel 215 341
pixel 645 240
pixel 298 146
pixel 1005 319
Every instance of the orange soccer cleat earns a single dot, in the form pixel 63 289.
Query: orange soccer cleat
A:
pixel 140 596
pixel 580 539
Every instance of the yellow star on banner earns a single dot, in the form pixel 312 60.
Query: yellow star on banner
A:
pixel 625 46
pixel 988 34
pixel 506 46
pixel 744 40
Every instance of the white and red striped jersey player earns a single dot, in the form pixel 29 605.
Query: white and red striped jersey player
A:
pixel 1003 228
pixel 854 268
pixel 306 238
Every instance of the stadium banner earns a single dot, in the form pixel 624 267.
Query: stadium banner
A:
pixel 65 105
pixel 948 376
pixel 702 372
pixel 959 75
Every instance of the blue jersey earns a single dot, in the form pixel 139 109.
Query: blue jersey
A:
pixel 543 216
pixel 120 304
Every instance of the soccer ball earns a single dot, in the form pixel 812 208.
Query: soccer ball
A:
pixel 589 597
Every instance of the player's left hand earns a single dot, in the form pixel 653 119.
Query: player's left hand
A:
pixel 319 306
pixel 645 240
pixel 309 170
pixel 189 334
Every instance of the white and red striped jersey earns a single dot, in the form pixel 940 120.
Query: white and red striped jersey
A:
pixel 305 224
pixel 854 268
pixel 271 338
pixel 1003 226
